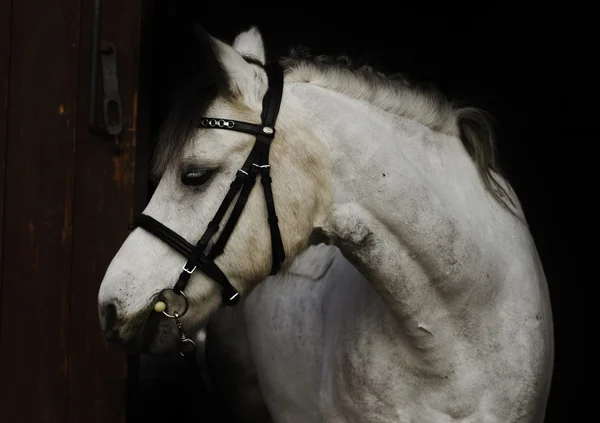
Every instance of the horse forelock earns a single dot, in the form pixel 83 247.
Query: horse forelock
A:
pixel 208 81
pixel 393 93
pixel 195 97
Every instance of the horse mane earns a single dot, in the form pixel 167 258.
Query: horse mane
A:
pixel 396 94
pixel 393 93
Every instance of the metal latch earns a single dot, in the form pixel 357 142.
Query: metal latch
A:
pixel 112 108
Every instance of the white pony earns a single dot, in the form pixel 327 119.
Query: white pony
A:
pixel 428 303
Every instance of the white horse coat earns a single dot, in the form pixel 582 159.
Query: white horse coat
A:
pixel 432 307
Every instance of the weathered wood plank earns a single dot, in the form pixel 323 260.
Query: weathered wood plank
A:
pixel 5 21
pixel 38 209
pixel 106 185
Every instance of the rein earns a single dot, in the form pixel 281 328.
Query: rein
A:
pixel 198 258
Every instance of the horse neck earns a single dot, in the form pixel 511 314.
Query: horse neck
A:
pixel 393 166
pixel 419 196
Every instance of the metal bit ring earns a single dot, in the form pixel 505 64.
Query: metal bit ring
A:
pixel 176 315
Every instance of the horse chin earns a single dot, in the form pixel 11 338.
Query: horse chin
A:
pixel 160 335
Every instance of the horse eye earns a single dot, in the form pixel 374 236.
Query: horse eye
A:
pixel 195 177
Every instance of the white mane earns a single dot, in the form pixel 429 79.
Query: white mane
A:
pixel 394 94
pixel 397 95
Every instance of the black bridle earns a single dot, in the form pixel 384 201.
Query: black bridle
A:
pixel 256 163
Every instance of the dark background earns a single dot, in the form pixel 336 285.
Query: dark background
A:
pixel 522 68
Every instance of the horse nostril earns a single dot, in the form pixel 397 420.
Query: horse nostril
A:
pixel 109 318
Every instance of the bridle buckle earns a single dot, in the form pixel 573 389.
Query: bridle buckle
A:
pixel 257 163
pixel 188 271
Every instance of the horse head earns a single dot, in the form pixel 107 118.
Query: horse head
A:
pixel 217 138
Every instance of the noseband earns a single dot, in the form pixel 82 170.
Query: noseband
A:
pixel 257 162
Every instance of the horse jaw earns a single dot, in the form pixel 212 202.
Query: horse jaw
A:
pixel 144 266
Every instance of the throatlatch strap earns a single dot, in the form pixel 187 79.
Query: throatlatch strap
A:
pixel 277 250
pixel 272 103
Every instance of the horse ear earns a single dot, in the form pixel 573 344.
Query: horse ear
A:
pixel 242 77
pixel 212 66
pixel 250 44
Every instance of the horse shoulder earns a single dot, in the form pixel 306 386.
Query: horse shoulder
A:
pixel 466 286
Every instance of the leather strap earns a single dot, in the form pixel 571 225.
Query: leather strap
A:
pixel 169 237
pixel 195 261
pixel 237 126
pixel 256 163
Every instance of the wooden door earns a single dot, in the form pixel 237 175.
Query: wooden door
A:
pixel 67 199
